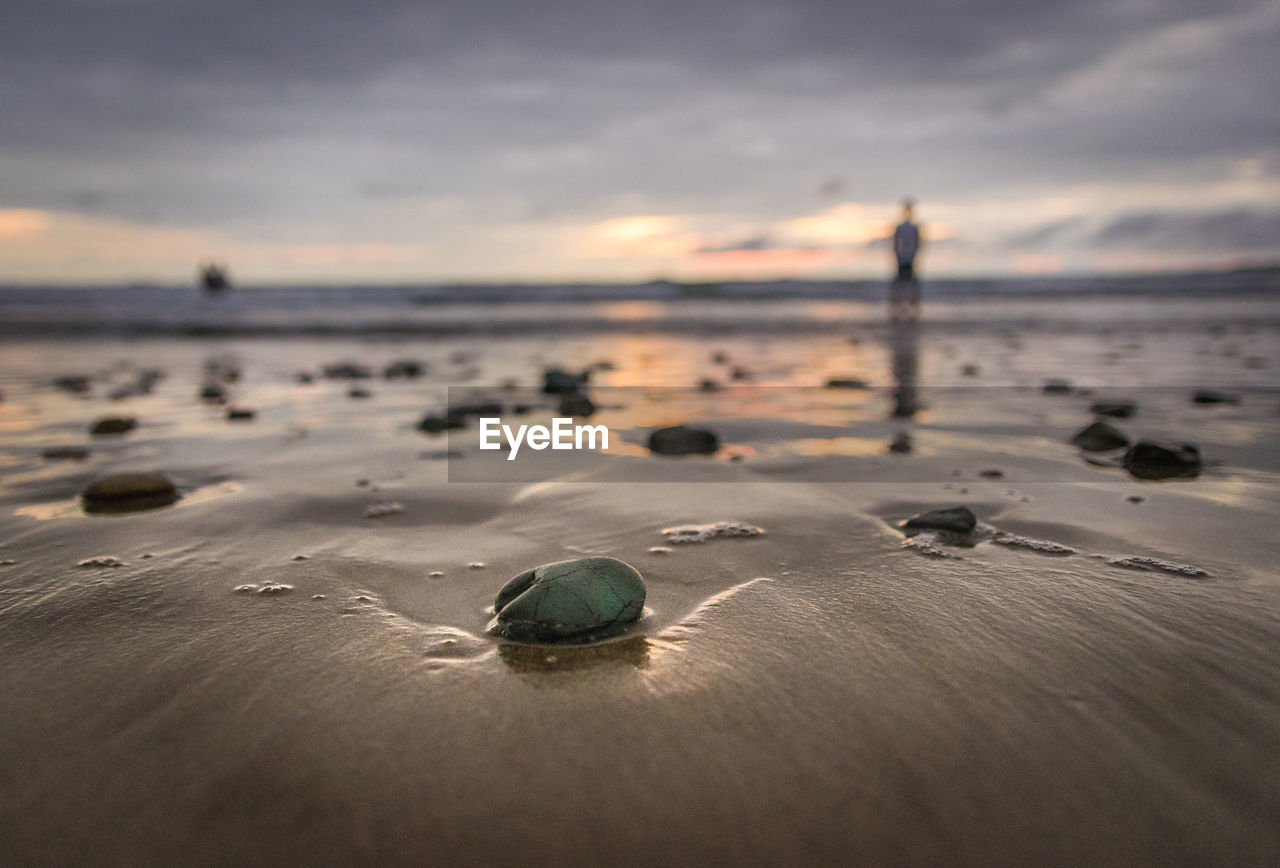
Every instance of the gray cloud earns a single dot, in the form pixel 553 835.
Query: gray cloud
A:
pixel 1241 230
pixel 321 113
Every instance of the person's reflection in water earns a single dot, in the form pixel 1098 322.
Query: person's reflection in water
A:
pixel 904 326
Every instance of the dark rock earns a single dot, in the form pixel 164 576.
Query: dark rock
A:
pixel 1114 409
pixel 434 424
pixel 65 453
pixel 969 370
pixel 740 374
pixel 901 443
pixel 213 393
pixel 679 440
pixel 991 474
pixel 1057 387
pixel 843 383
pixel 303 378
pixel 558 382
pixel 76 384
pixel 129 492
pixel 1100 437
pixel 1148 459
pixel 576 405
pixel 403 369
pixel 240 414
pixel 347 371
pixel 569 600
pixel 1209 396
pixel 114 425
pixel 719 358
pixel 709 386
pixel 359 394
pixel 957 519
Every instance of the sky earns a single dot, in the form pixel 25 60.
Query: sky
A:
pixel 466 140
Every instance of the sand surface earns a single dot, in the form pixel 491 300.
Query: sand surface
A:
pixel 819 694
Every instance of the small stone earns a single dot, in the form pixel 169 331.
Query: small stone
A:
pixel 679 440
pixel 246 589
pixel 476 565
pixel 1114 409
pixel 129 492
pixel 7 562
pixel 435 424
pixel 76 384
pixel 436 573
pixel 901 443
pixel 317 596
pixel 381 510
pixel 1209 396
pixel 992 473
pixel 1135 498
pixel 300 558
pixel 65 453
pixel 709 386
pixel 969 370
pixel 213 394
pixel 403 369
pixel 578 599
pixel 957 519
pixel 274 590
pixel 114 425
pixel 101 561
pixel 359 394
pixel 558 382
pixel 846 383
pixel 240 414
pixel 660 550
pixel 1057 387
pixel 1100 437
pixel 740 374
pixel 1148 459
pixel 576 405
pixel 347 371
pixel 304 378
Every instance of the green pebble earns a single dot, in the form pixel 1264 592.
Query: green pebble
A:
pixel 577 599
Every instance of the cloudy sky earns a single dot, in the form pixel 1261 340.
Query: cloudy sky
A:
pixel 410 140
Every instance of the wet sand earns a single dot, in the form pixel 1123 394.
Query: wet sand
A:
pixel 819 694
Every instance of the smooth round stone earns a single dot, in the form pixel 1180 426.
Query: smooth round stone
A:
pixel 579 599
pixel 129 492
pixel 1100 437
pixel 679 440
pixel 1149 459
pixel 114 425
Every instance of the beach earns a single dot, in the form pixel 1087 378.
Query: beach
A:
pixel 290 663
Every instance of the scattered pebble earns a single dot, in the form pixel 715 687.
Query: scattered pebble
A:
pixel 1114 409
pixel 436 573
pixel 679 440
pixel 1149 459
pixel 129 492
pixel 659 550
pixel 300 558
pixel 114 425
pixel 7 562
pixel 1138 562
pixel 696 533
pixel 1135 498
pixel 380 510
pixel 1100 437
pixel 991 473
pixel 317 596
pixel 246 589
pixel 1057 387
pixel 957 519
pixel 240 414
pixel 274 589
pixel 476 565
pixel 1209 396
pixel 846 383
pixel 65 453
pixel 101 561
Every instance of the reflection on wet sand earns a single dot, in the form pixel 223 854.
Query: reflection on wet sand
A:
pixel 632 651
pixel 904 355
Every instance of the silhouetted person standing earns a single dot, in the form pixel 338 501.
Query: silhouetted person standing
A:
pixel 906 243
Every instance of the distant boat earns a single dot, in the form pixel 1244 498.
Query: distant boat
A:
pixel 213 277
